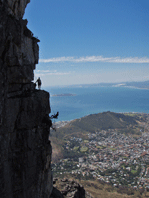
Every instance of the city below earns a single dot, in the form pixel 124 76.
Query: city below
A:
pixel 110 155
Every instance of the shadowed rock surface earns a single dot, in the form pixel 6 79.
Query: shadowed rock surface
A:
pixel 25 152
pixel 68 189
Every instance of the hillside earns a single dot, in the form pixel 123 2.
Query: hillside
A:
pixel 104 121
pixel 104 151
pixel 80 128
pixel 101 121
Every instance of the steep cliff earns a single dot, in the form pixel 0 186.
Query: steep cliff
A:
pixel 25 152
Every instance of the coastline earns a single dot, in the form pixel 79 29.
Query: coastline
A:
pixel 133 87
pixel 60 124
pixel 99 99
pixel 63 95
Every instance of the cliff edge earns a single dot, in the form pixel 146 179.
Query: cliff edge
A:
pixel 25 151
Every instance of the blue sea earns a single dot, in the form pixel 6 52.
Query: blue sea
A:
pixel 91 100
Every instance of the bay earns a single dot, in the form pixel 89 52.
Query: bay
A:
pixel 91 100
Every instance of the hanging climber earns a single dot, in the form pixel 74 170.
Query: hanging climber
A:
pixel 55 115
pixel 38 81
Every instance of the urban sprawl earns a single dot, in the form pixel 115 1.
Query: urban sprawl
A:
pixel 108 156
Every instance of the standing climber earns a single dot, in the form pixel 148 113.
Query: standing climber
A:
pixel 38 83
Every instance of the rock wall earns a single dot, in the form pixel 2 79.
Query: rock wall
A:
pixel 25 152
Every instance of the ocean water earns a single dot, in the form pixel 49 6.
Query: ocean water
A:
pixel 90 100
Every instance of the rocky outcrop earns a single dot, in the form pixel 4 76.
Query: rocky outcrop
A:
pixel 68 189
pixel 16 7
pixel 25 151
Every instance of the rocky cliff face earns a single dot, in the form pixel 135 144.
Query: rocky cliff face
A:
pixel 25 152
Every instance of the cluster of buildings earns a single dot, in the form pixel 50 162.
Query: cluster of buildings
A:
pixel 108 156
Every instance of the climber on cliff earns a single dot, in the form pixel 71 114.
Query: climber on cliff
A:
pixel 55 115
pixel 38 81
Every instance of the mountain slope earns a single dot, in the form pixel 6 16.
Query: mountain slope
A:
pixel 91 123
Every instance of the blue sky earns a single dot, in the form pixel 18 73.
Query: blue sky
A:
pixel 90 41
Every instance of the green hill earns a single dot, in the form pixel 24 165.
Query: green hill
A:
pixel 123 123
pixel 104 121
pixel 101 121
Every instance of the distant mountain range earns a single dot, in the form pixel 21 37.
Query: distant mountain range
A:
pixel 64 94
pixel 141 85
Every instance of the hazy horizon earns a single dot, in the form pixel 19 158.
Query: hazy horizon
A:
pixel 91 84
